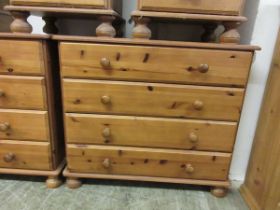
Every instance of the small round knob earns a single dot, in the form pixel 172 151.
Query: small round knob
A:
pixel 189 168
pixel 106 133
pixel 2 93
pixel 105 63
pixel 106 163
pixel 106 100
pixel 4 126
pixel 9 157
pixel 198 105
pixel 193 137
pixel 203 68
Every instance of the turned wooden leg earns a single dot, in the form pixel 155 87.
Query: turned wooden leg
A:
pixel 20 24
pixel 73 183
pixel 141 30
pixel 219 192
pixel 105 29
pixel 209 33
pixel 50 27
pixel 53 182
pixel 231 34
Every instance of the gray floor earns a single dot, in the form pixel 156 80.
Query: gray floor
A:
pixel 24 193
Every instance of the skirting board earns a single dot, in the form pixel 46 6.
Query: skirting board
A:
pixel 226 184
pixel 250 200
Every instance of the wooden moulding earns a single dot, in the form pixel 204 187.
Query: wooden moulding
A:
pixel 249 198
pixel 107 17
pixel 225 184
pixel 53 180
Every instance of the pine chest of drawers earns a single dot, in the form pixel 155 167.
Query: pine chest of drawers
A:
pixel 151 110
pixel 31 140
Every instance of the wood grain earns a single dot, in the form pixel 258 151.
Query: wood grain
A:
pixel 25 125
pixel 158 64
pixel 21 57
pixel 148 162
pixel 151 99
pixel 262 183
pixel 150 132
pixel 27 155
pixel 23 92
pixel 223 7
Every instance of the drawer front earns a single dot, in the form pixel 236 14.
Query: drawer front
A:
pixel 150 132
pixel 155 64
pixel 224 7
pixel 21 57
pixel 25 155
pixel 148 162
pixel 24 125
pixel 150 99
pixel 100 4
pixel 22 92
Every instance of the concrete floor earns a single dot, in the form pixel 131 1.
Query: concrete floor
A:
pixel 25 193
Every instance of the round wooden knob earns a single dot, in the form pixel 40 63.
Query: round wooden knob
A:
pixel 189 168
pixel 105 63
pixel 106 100
pixel 2 93
pixel 9 157
pixel 193 137
pixel 203 68
pixel 4 126
pixel 106 133
pixel 198 105
pixel 106 163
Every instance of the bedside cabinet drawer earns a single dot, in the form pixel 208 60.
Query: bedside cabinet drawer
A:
pixel 24 125
pixel 148 162
pixel 155 64
pixel 98 4
pixel 220 7
pixel 151 99
pixel 24 155
pixel 20 92
pixel 150 132
pixel 21 57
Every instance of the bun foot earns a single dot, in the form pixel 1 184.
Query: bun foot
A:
pixel 53 182
pixel 219 192
pixel 73 183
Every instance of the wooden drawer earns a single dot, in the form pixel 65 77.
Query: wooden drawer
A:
pixel 22 92
pixel 25 155
pixel 24 125
pixel 21 57
pixel 155 64
pixel 150 132
pixel 151 99
pixel 98 4
pixel 221 7
pixel 148 162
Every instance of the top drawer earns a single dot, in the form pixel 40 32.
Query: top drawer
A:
pixel 221 7
pixel 155 64
pixel 21 57
pixel 98 4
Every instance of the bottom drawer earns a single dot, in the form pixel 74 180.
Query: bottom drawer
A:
pixel 148 162
pixel 25 155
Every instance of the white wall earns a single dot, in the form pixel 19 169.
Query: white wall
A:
pixel 261 29
pixel 264 34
